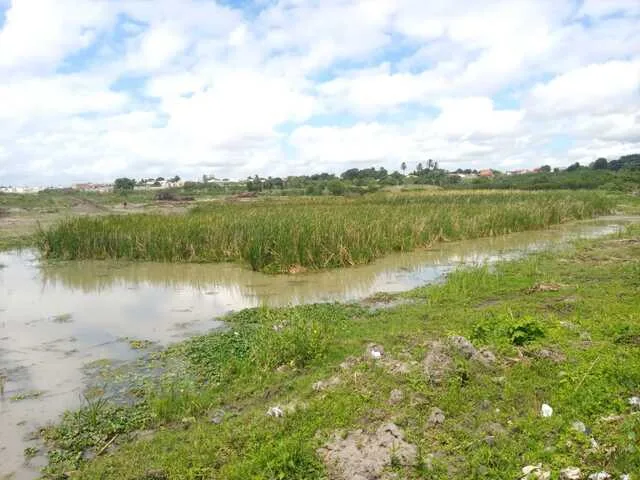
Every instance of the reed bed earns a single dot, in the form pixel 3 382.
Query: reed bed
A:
pixel 295 234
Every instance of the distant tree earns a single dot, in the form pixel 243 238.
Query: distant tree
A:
pixel 160 179
pixel 403 167
pixel 419 168
pixel 175 179
pixel 545 168
pixel 600 164
pixel 573 167
pixel 336 187
pixel 124 184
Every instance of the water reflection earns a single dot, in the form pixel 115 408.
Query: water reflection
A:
pixel 235 286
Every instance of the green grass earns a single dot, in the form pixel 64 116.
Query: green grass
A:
pixel 281 236
pixel 576 349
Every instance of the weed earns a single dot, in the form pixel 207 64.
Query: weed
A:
pixel 30 395
pixel 30 452
pixel 314 233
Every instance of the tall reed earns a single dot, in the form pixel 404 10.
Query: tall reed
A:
pixel 277 236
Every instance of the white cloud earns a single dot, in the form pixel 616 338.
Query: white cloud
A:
pixel 40 33
pixel 595 88
pixel 300 86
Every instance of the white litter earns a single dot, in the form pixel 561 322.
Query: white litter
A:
pixel 275 412
pixel 600 476
pixel 571 473
pixel 546 410
pixel 634 401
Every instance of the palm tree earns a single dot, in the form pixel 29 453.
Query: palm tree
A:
pixel 403 166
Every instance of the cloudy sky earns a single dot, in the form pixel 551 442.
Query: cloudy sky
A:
pixel 96 89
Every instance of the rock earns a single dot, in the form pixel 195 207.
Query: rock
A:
pixel 275 412
pixel 436 417
pixel 364 456
pixel 154 475
pixel 490 440
pixel 546 410
pixel 437 364
pixel 463 346
pixel 634 401
pixel 322 385
pixel 569 325
pixel 531 472
pixel 570 473
pixel 485 357
pixel 398 367
pixel 544 287
pixel 396 396
pixel 349 363
pixel 579 427
pixel 495 429
pixel 554 356
pixel 217 417
pixel 600 476
pixel 594 443
pixel 625 476
pixel 485 404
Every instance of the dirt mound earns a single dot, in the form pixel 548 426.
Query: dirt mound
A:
pixel 365 456
pixel 438 363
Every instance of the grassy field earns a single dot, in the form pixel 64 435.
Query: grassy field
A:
pixel 555 328
pixel 280 235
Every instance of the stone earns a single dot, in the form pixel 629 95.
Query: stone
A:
pixel 485 357
pixel 634 401
pixel 535 472
pixel 436 417
pixel 490 440
pixel 570 473
pixel 495 429
pixel 322 385
pixel 579 427
pixel 463 346
pixel 396 396
pixel 600 476
pixel 217 417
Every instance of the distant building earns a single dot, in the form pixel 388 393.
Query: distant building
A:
pixel 93 187
pixel 11 189
pixel 486 173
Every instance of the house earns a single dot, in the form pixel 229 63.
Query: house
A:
pixel 93 187
pixel 487 173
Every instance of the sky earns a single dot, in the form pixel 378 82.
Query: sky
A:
pixel 92 90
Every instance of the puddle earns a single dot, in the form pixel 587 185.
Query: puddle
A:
pixel 54 319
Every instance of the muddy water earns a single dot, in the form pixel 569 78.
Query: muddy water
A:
pixel 56 318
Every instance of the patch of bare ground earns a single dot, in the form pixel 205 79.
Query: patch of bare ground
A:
pixel 361 455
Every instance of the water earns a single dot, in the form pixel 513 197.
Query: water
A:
pixel 56 318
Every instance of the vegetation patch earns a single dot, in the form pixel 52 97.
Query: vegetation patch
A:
pixel 290 236
pixel 29 395
pixel 284 393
